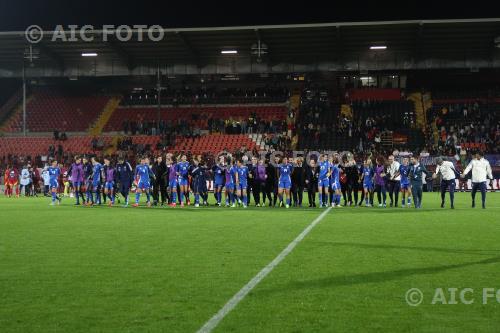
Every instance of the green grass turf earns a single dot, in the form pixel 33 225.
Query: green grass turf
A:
pixel 101 269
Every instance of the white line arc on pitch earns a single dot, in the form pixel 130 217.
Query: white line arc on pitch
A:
pixel 231 304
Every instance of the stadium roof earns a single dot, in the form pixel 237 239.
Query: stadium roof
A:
pixel 300 43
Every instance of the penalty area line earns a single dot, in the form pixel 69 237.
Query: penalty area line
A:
pixel 240 295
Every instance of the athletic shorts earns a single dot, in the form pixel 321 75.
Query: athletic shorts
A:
pixel 183 181
pixel 230 186
pixel 335 186
pixel 109 185
pixel 12 182
pixel 285 183
pixel 324 182
pixel 368 186
pixel 172 184
pixel 405 186
pixel 218 184
pixel 96 184
pixel 242 186
pixel 54 184
pixel 143 185
pixel 77 184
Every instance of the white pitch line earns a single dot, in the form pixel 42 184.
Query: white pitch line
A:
pixel 231 304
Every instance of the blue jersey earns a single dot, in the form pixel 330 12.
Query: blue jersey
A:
pixel 142 173
pixel 335 174
pixel 324 169
pixel 183 169
pixel 404 171
pixel 242 174
pixel 232 172
pixel 54 173
pixel 96 172
pixel 368 174
pixel 285 171
pixel 219 174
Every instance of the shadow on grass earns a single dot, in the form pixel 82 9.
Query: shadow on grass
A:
pixel 416 248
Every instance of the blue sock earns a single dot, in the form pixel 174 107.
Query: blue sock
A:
pixel 54 196
pixel 77 195
pixel 126 199
pixel 409 201
pixel 245 200
pixel 182 197
pixel 137 197
pixel 148 196
pixel 288 201
pixel 113 198
pixel 196 198
pixel 174 197
pixel 338 199
pixel 231 198
pixel 320 198
pixel 281 197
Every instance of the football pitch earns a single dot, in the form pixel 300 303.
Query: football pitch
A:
pixel 101 269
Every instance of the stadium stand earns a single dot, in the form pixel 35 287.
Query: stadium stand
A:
pixel 130 118
pixel 51 109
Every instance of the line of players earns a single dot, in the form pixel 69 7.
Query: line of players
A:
pixel 90 178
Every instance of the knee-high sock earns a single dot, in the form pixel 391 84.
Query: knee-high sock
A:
pixel 148 196
pixel 137 197
pixel 54 196
pixel 245 200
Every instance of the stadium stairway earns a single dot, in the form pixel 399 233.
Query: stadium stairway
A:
pixel 10 124
pixel 97 128
pixel 417 99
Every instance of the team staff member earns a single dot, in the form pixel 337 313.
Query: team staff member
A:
pixel 448 173
pixel 159 186
pixel 311 179
pixel 298 182
pixel 416 179
pixel 481 172
pixel 393 184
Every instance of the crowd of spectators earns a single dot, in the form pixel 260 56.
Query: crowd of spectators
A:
pixel 472 124
pixel 203 94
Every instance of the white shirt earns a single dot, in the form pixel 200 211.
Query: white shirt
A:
pixel 25 177
pixel 393 169
pixel 481 170
pixel 446 169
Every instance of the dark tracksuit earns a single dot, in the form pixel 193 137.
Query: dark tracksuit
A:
pixel 251 186
pixel 159 185
pixel 125 178
pixel 415 175
pixel 87 178
pixel 271 184
pixel 311 178
pixel 352 175
pixel 298 182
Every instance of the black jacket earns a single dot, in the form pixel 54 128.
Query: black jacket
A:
pixel 311 175
pixel 160 171
pixel 298 176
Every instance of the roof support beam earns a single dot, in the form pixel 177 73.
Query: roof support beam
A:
pixel 187 45
pixel 53 56
pixel 121 53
